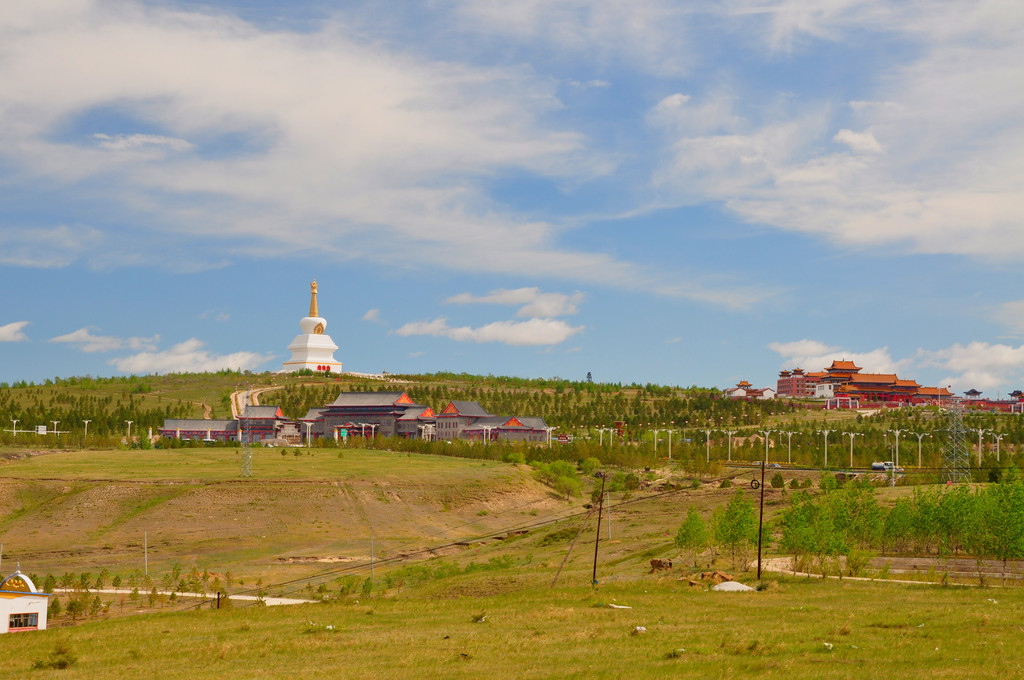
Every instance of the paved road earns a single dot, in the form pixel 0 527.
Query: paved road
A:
pixel 270 601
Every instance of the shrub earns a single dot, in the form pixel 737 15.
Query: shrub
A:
pixel 725 484
pixel 61 657
pixel 777 481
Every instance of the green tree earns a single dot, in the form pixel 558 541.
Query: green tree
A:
pixel 693 536
pixel 735 526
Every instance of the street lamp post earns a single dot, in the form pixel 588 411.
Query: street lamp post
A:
pixel 981 432
pixel 56 434
pixel 730 433
pixel 998 438
pixel 308 426
pixel 826 433
pixel 896 461
pixel 129 431
pixel 920 436
pixel 851 435
pixel 767 435
pixel 14 428
pixel 85 439
pixel 789 445
pixel 708 434
pixel 656 431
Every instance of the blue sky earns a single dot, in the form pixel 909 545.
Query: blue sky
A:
pixel 652 191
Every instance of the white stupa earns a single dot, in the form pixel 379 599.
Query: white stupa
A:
pixel 312 349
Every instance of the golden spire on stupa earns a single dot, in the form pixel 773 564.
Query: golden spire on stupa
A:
pixel 312 300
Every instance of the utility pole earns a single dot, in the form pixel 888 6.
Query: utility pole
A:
pixel 608 499
pixel 760 525
pixel 597 539
pixel 708 434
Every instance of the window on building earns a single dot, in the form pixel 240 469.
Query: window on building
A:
pixel 23 621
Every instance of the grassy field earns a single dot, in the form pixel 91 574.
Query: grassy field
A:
pixel 512 624
pixel 477 601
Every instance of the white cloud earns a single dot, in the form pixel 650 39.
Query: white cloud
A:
pixel 977 364
pixel 233 130
pixel 12 332
pixel 937 163
pixel 1011 314
pixel 535 303
pixel 372 315
pixel 188 357
pixel 532 332
pixel 44 247
pixel 87 342
pixel 813 355
pixel 128 142
pixel 216 314
pixel 653 34
pixel 587 85
pixel 861 142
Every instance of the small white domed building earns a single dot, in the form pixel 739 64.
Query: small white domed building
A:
pixel 312 348
pixel 22 606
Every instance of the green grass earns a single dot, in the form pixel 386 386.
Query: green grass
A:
pixel 216 464
pixel 531 631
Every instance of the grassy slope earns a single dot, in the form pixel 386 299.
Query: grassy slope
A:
pixel 88 510
pixel 876 631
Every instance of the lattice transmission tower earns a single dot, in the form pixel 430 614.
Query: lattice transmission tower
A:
pixel 956 458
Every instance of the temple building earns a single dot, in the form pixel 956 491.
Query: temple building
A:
pixel 312 348
pixel 843 384
pixel 22 606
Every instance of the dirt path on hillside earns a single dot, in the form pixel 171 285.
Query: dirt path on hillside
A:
pixel 955 567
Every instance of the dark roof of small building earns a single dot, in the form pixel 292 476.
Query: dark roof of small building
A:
pixel 417 412
pixel 506 422
pixel 371 399
pixel 313 414
pixel 472 409
pixel 261 412
pixel 200 424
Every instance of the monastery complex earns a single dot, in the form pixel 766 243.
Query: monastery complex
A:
pixel 355 414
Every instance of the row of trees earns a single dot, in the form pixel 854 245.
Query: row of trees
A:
pixel 846 521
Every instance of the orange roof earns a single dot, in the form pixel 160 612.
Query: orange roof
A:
pixel 817 374
pixel 886 378
pixel 844 366
pixel 934 392
pixel 743 383
pixel 907 383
